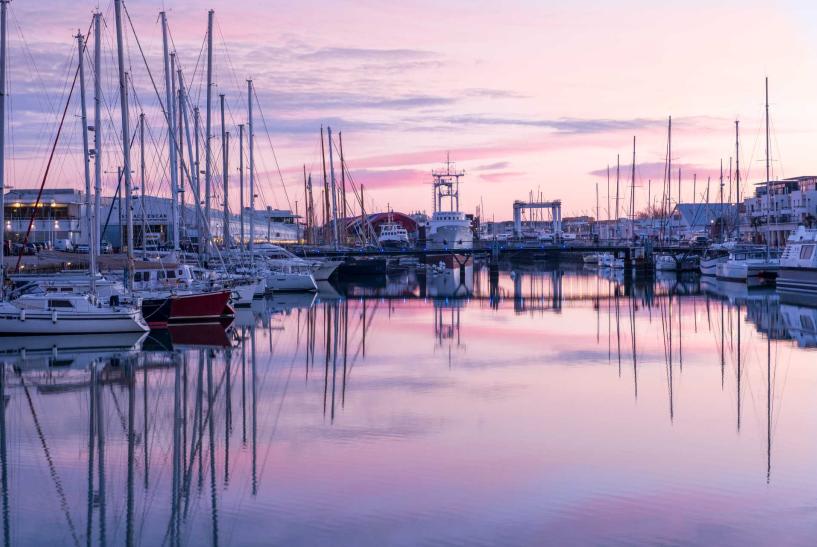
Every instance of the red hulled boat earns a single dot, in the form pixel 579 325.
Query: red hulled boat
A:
pixel 202 307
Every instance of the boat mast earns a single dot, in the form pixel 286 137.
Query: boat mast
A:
pixel 325 201
pixel 3 10
pixel 90 215
pixel 251 144
pixel 334 188
pixel 597 207
pixel 737 177
pixel 178 96
pixel 618 168
pixel 197 183
pixel 225 176
pixel 123 101
pixel 342 180
pixel 142 182
pixel 720 197
pixel 768 178
pixel 170 116
pixel 98 130
pixel 241 183
pixel 208 135
pixel 632 196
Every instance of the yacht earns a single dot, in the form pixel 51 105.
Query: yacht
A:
pixel 754 266
pixel 275 255
pixel 714 256
pixel 798 265
pixel 290 277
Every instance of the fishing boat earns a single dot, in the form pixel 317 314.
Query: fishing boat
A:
pixel 393 235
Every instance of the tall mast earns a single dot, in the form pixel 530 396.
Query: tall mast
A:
pixel 208 134
pixel 98 130
pixel 597 206
pixel 225 176
pixel 342 179
pixel 306 209
pixel 251 144
pixel 737 176
pixel 608 193
pixel 720 199
pixel 334 189
pixel 170 116
pixel 618 169
pixel 197 179
pixel 143 206
pixel 3 9
pixel 325 204
pixel 632 194
pixel 768 178
pixel 241 183
pixel 669 169
pixel 123 101
pixel 178 95
pixel 90 215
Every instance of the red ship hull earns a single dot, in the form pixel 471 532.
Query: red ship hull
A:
pixel 198 308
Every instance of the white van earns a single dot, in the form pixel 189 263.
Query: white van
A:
pixel 64 245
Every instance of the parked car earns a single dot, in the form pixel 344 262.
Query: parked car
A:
pixel 64 245
pixel 82 248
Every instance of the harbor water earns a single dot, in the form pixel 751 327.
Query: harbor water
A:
pixel 536 405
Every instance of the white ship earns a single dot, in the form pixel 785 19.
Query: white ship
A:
pixel 393 235
pixel 448 229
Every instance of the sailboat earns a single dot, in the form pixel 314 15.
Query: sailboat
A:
pixel 56 314
pixel 754 267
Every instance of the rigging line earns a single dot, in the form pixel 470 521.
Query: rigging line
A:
pixel 48 167
pixel 274 155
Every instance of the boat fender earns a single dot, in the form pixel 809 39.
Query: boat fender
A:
pixel 22 315
pixel 54 316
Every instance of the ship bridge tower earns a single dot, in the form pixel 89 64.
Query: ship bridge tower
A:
pixel 447 185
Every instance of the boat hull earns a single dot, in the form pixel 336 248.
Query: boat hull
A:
pixel 290 282
pixel 51 323
pixel 451 237
pixel 198 307
pixel 156 312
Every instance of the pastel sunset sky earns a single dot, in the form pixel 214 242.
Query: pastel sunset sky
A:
pixel 526 95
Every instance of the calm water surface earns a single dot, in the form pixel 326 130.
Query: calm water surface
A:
pixel 555 407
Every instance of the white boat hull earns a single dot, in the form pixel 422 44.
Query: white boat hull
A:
pixel 451 237
pixel 16 321
pixel 290 282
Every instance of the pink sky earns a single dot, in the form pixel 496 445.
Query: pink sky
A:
pixel 525 95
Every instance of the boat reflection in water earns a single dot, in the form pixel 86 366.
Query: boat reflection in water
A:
pixel 435 398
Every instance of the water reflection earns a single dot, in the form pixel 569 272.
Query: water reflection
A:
pixel 434 397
